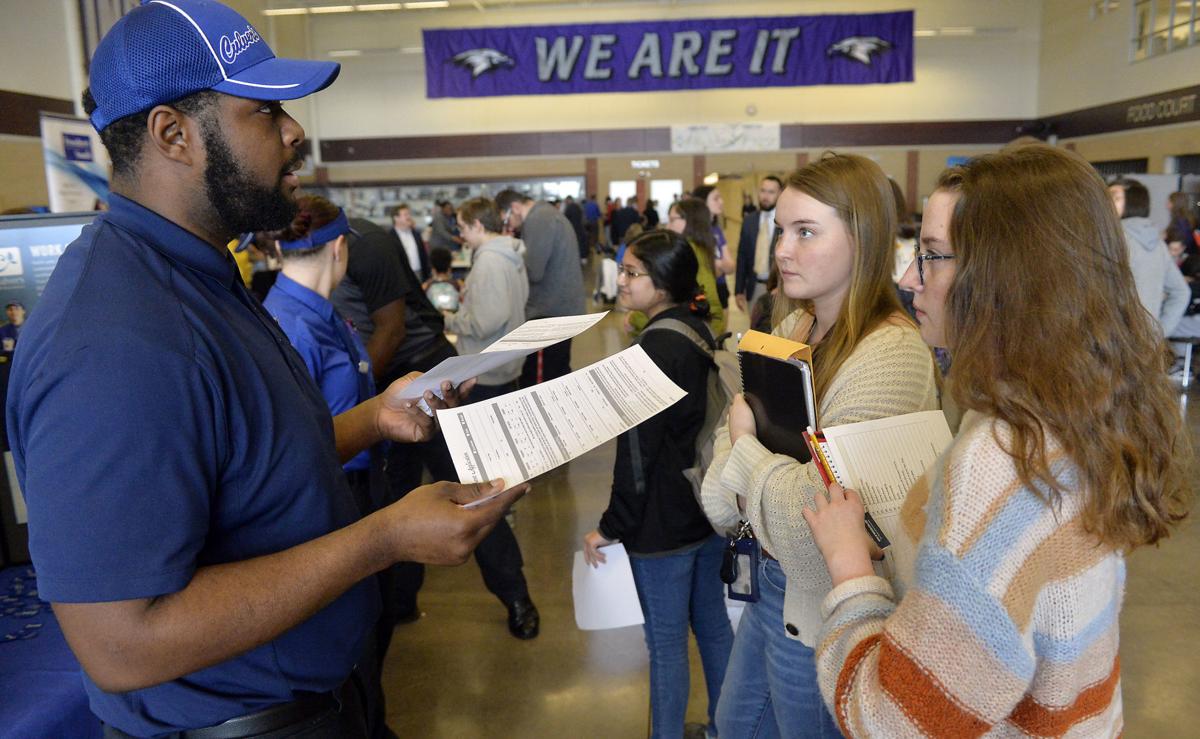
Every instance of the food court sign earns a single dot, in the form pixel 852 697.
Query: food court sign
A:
pixel 773 51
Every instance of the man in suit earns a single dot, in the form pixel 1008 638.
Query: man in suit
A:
pixel 756 244
pixel 413 250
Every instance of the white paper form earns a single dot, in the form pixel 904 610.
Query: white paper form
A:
pixel 521 341
pixel 542 332
pixel 881 459
pixel 525 433
pixel 606 596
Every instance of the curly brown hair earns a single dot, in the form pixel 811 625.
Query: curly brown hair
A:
pixel 1048 335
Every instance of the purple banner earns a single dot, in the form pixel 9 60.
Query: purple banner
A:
pixel 771 51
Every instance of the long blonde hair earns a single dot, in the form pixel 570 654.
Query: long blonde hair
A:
pixel 861 193
pixel 1048 334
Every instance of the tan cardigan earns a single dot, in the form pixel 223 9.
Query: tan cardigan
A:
pixel 889 373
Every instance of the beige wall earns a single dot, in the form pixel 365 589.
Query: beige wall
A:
pixel 1155 143
pixel 34 48
pixel 23 180
pixel 1086 62
pixel 383 94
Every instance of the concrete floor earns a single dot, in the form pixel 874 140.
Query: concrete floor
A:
pixel 457 673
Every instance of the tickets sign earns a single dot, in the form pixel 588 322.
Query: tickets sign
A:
pixel 770 51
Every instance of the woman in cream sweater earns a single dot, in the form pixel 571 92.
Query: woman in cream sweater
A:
pixel 835 258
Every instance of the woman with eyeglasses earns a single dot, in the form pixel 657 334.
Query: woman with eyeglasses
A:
pixel 835 259
pixel 1072 453
pixel 674 553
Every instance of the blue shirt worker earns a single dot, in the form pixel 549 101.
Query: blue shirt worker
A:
pixel 314 251
pixel 188 515
pixel 11 331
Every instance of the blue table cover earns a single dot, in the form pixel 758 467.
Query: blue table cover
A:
pixel 41 691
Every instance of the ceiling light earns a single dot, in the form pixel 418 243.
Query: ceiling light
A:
pixel 921 32
pixel 345 52
pixel 426 4
pixel 380 6
pixel 412 50
pixel 285 11
pixel 712 179
pixel 958 31
pixel 332 9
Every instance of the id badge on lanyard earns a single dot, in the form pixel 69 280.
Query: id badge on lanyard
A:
pixel 739 565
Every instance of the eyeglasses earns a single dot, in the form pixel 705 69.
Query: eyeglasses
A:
pixel 920 259
pixel 630 274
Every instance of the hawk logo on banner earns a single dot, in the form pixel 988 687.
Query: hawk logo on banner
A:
pixel 482 60
pixel 859 48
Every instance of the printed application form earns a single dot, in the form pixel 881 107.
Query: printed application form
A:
pixel 881 459
pixel 521 341
pixel 523 434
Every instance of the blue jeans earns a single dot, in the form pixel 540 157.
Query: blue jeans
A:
pixel 771 686
pixel 675 589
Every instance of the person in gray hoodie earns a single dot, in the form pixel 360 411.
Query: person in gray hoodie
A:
pixel 496 291
pixel 1160 285
pixel 493 305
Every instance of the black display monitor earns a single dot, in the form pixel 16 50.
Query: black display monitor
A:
pixel 30 246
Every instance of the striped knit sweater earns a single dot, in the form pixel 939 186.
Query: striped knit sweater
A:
pixel 1010 627
pixel 889 373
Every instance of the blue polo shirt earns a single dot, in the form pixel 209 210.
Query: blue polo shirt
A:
pixel 160 421
pixel 330 347
pixel 9 334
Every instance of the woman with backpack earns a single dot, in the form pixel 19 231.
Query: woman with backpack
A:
pixel 674 553
pixel 835 257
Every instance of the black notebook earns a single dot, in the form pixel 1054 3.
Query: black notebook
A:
pixel 777 382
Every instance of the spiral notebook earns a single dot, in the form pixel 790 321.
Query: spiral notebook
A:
pixel 882 459
pixel 777 383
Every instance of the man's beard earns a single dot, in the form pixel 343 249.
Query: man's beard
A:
pixel 764 207
pixel 242 205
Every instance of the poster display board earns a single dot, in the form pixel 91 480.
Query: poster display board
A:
pixel 30 246
pixel 76 164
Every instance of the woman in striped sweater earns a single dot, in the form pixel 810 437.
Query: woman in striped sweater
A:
pixel 1071 454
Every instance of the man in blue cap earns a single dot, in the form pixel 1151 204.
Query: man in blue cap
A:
pixel 188 516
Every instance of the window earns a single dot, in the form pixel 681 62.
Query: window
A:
pixel 1117 167
pixel 665 192
pixel 1159 26
pixel 1187 164
pixel 623 189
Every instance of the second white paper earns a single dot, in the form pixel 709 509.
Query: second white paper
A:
pixel 606 596
pixel 525 433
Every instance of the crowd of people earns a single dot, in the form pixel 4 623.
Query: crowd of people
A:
pixel 243 521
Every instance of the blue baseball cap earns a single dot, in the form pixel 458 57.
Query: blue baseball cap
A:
pixel 165 50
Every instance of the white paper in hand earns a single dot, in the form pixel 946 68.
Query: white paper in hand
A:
pixel 605 596
pixel 525 433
